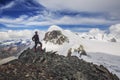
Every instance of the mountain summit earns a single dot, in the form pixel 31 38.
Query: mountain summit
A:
pixel 55 27
pixel 55 35
pixel 50 66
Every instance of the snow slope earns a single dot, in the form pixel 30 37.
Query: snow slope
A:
pixel 99 52
pixel 89 45
pixel 112 62
pixel 3 61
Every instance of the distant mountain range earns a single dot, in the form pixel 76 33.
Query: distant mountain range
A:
pixel 12 47
pixel 15 42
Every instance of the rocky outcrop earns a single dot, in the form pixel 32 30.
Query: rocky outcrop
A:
pixel 50 66
pixel 113 40
pixel 55 37
pixel 80 50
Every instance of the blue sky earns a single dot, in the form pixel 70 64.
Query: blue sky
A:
pixel 76 15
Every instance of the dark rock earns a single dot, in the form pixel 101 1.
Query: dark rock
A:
pixel 50 66
pixel 113 40
pixel 55 37
pixel 83 52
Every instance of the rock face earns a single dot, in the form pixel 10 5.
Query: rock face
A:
pixel 51 66
pixel 113 40
pixel 55 37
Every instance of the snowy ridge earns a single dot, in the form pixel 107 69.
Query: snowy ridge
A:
pixel 54 27
pixel 89 45
pixel 115 31
pixel 99 51
pixel 111 62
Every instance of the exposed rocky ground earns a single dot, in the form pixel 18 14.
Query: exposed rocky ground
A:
pixel 50 66
pixel 113 40
pixel 12 47
pixel 8 51
pixel 55 37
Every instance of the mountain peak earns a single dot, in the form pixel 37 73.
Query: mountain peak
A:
pixel 54 27
pixel 37 66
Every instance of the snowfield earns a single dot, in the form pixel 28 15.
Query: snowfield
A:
pixel 94 45
pixel 111 62
pixel 99 52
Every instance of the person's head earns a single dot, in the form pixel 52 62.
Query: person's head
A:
pixel 36 32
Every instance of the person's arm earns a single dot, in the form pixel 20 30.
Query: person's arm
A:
pixel 33 38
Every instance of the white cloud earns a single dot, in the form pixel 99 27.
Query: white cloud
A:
pixel 8 5
pixel 14 22
pixel 82 20
pixel 79 29
pixel 67 20
pixel 38 23
pixel 49 18
pixel 10 34
pixel 21 34
pixel 39 20
pixel 109 7
pixel 19 20
pixel 82 5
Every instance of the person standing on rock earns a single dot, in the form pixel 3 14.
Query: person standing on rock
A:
pixel 35 38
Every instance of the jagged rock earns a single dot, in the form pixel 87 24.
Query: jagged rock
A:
pixel 50 66
pixel 113 40
pixel 69 52
pixel 83 52
pixel 80 50
pixel 55 37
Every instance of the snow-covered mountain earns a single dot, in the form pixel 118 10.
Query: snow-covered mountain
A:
pixel 114 31
pixel 15 42
pixel 97 34
pixel 55 36
pixel 112 35
pixel 93 34
pixel 98 47
pixel 100 51
pixel 91 45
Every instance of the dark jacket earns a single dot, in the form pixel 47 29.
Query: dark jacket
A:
pixel 35 38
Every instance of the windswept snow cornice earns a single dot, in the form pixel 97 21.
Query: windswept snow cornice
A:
pixel 54 27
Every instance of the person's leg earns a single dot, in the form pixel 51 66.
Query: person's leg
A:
pixel 40 45
pixel 35 46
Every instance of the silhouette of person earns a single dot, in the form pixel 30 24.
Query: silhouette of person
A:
pixel 35 38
